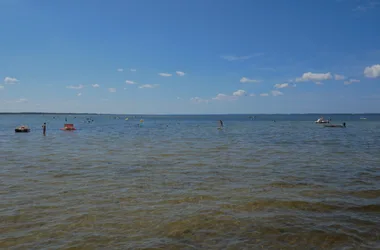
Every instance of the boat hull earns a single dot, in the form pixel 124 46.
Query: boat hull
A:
pixel 22 130
pixel 334 126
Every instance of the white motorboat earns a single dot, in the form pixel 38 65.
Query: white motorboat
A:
pixel 321 120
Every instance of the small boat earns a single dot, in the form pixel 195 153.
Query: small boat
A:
pixel 321 120
pixel 68 127
pixel 335 125
pixel 22 129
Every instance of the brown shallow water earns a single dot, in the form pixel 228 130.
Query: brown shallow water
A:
pixel 112 185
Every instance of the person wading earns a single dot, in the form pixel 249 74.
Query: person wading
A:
pixel 44 128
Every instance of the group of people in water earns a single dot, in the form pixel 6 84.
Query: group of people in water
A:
pixel 221 125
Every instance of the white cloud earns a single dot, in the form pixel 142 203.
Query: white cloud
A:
pixel 277 93
pixel 264 94
pixel 165 74
pixel 120 70
pixel 319 83
pixel 130 82
pixel 315 77
pixel 10 80
pixel 1 87
pixel 79 94
pixel 245 80
pixel 95 85
pixel 239 92
pixel 149 86
pixel 281 85
pixel 80 86
pixel 198 100
pixel 373 71
pixel 252 94
pixel 350 81
pixel 339 77
pixel 133 70
pixel 112 90
pixel 180 73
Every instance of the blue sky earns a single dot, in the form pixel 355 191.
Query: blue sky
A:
pixel 190 56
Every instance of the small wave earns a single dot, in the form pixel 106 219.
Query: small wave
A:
pixel 282 184
pixel 368 194
pixel 282 204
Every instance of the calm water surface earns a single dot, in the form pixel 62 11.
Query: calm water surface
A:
pixel 178 182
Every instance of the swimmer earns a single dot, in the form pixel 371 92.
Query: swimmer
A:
pixel 44 128
pixel 221 123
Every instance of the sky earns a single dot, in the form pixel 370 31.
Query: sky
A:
pixel 190 56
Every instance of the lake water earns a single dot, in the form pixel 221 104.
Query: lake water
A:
pixel 178 182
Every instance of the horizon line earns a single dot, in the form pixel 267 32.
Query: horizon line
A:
pixel 94 113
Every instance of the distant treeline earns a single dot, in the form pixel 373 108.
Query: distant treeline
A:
pixel 43 113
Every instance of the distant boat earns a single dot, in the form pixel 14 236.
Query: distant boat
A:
pixel 363 118
pixel 68 127
pixel 321 120
pixel 22 129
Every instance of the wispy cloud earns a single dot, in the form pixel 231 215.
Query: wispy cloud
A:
pixel 10 80
pixel 281 85
pixel 372 71
pixel 247 80
pixel 149 86
pixel 21 100
pixel 266 69
pixel 120 70
pixel 198 100
pixel 366 5
pixel 133 70
pixel 252 94
pixel 350 81
pixel 315 77
pixel 239 92
pixel 95 85
pixel 165 74
pixel 264 94
pixel 80 86
pixel 240 58
pixel 79 94
pixel 178 98
pixel 224 97
pixel 319 83
pixel 276 93
pixel 339 77
pixel 235 95
pixel 130 82
pixel 112 90
pixel 180 73
pixel 1 87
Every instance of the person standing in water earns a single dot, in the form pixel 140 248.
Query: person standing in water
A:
pixel 221 123
pixel 44 128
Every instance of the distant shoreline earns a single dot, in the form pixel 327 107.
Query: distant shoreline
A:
pixel 236 114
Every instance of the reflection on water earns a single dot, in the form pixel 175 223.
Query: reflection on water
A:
pixel 179 183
